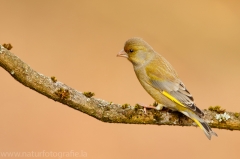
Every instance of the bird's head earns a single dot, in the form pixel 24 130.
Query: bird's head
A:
pixel 137 51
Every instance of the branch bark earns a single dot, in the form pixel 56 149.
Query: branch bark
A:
pixel 98 108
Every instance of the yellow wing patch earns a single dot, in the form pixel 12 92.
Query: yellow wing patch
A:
pixel 172 98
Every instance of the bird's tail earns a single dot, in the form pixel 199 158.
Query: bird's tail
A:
pixel 205 127
pixel 201 123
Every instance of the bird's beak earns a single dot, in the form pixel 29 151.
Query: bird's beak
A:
pixel 122 53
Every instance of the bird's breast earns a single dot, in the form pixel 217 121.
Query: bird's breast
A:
pixel 153 92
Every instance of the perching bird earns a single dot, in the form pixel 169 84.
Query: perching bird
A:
pixel 161 81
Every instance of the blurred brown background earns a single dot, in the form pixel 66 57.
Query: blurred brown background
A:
pixel 77 41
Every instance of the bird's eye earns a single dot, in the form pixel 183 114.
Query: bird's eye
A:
pixel 131 50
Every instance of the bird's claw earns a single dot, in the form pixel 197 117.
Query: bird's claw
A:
pixel 158 107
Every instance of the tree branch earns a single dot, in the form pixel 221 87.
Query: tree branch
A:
pixel 97 108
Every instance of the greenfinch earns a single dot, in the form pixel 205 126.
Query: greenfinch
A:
pixel 161 81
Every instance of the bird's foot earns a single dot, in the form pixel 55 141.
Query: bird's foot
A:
pixel 158 107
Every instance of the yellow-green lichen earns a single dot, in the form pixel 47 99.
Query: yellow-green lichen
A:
pixel 8 46
pixel 63 94
pixel 236 115
pixel 88 94
pixel 157 116
pixel 54 79
pixel 124 106
pixel 155 104
pixel 137 106
pixel 107 108
pixel 217 109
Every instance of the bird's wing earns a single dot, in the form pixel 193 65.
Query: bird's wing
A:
pixel 172 88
